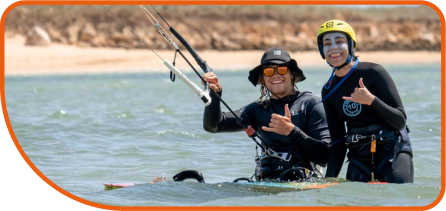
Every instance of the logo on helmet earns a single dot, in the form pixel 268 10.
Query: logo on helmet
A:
pixel 278 53
pixel 329 25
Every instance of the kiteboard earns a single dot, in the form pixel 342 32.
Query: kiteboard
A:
pixel 242 182
pixel 112 186
pixel 290 186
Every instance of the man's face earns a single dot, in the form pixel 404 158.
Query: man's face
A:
pixel 280 85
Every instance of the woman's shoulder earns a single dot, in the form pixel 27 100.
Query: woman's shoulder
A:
pixel 364 66
pixel 371 68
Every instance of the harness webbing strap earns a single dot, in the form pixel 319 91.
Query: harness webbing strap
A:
pixel 355 137
pixel 335 142
pixel 395 151
pixel 361 166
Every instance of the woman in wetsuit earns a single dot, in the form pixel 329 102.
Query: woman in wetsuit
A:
pixel 364 96
pixel 291 123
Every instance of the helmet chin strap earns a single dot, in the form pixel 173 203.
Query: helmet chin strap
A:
pixel 328 84
pixel 349 59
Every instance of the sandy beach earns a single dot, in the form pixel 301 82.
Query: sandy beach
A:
pixel 63 59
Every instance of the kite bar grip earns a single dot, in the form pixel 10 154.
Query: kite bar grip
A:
pixel 204 96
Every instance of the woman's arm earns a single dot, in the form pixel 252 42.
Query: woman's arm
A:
pixel 314 142
pixel 337 149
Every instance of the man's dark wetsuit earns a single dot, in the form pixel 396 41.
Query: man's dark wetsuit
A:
pixel 307 142
pixel 386 113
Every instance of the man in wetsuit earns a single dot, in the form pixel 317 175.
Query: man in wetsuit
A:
pixel 290 122
pixel 364 96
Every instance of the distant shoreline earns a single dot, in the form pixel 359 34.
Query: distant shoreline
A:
pixel 65 59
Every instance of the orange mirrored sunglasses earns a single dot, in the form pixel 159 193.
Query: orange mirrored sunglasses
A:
pixel 269 71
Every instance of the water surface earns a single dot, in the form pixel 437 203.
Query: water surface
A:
pixel 83 130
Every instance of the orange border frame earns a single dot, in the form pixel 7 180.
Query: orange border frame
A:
pixel 227 2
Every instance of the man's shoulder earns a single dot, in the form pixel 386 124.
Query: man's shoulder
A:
pixel 308 97
pixel 254 105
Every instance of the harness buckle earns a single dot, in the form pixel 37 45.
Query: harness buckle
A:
pixel 281 155
pixel 356 137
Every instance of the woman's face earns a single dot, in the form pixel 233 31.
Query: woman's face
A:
pixel 335 46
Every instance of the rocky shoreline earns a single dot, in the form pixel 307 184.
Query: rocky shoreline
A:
pixel 209 32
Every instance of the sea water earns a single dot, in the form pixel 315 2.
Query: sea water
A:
pixel 83 130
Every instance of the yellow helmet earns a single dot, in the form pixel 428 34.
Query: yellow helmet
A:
pixel 336 26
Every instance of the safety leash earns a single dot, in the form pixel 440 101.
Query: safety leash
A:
pixel 373 150
pixel 340 83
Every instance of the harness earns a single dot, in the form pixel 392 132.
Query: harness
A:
pixel 379 143
pixel 282 166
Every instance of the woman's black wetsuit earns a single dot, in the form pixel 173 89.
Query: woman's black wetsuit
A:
pixel 306 143
pixel 386 113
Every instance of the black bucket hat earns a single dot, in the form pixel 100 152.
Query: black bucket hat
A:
pixel 275 56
